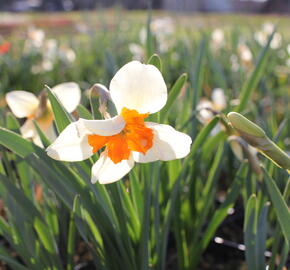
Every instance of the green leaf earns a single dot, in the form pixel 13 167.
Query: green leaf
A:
pixel 84 112
pixel 200 139
pixel 45 236
pixel 221 213
pixel 136 192
pixel 155 61
pixel 45 141
pixel 23 203
pixel 11 261
pixel 173 94
pixel 16 143
pixel 250 229
pixel 197 77
pixel 61 116
pixel 252 82
pixel 261 238
pixel 149 36
pixel 145 229
pixel 280 206
pixel 71 241
pixel 12 123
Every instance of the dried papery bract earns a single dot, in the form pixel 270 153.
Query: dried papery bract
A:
pixel 256 137
pixel 101 91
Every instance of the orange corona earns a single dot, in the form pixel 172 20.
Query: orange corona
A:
pixel 134 137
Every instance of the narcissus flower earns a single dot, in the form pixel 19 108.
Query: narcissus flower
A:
pixel 24 104
pixel 137 90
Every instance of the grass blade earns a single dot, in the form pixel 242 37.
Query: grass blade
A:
pixel 61 116
pixel 173 94
pixel 250 229
pixel 280 206
pixel 255 77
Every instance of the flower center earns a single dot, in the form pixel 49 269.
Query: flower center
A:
pixel 134 137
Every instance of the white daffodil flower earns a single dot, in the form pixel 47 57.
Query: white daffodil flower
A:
pixel 137 90
pixel 24 104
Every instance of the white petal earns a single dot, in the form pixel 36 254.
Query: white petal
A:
pixel 36 139
pixel 140 87
pixel 204 108
pixel 219 99
pixel 71 145
pixel 69 95
pixel 106 127
pixel 49 132
pixel 28 130
pixel 106 171
pixel 22 103
pixel 168 144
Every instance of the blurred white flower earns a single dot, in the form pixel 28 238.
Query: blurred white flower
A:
pixel 24 104
pixel 208 108
pixel 66 54
pixel 245 53
pixel 162 30
pixel 44 66
pixel 51 52
pixel 263 35
pixel 276 41
pixel 163 27
pixel 235 65
pixel 35 39
pixel 50 49
pixel 218 39
pixel 268 28
pixel 137 51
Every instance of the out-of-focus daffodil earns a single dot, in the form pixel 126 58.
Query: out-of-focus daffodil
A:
pixel 207 108
pixel 49 49
pixel 137 51
pixel 218 39
pixel 263 35
pixel 24 104
pixel 35 39
pixel 162 30
pixel 137 90
pixel 245 55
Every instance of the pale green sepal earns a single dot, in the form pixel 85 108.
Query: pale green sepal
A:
pixel 241 123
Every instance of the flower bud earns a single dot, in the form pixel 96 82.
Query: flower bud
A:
pixel 256 137
pixel 242 124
